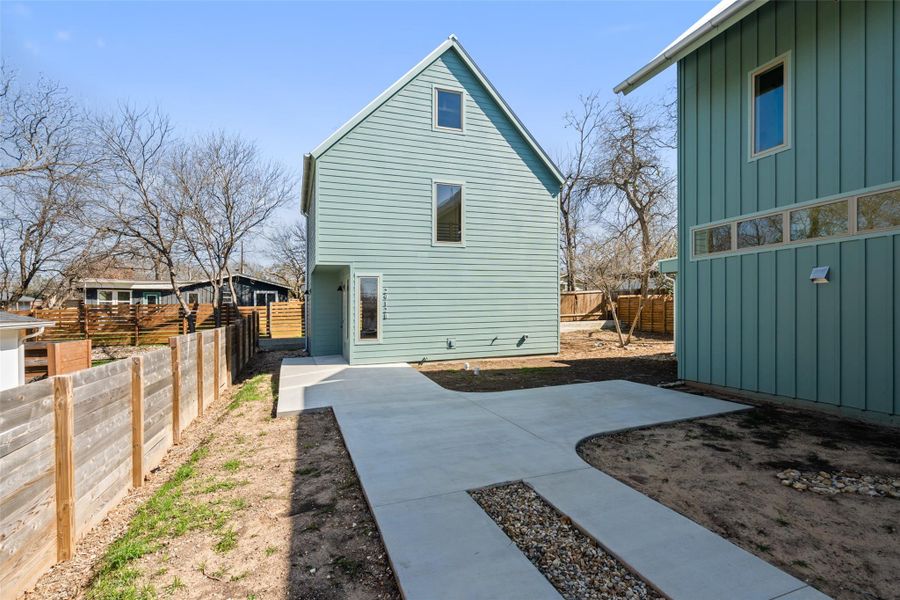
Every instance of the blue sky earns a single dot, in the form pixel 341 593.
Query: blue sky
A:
pixel 288 74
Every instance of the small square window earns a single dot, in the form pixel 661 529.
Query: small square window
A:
pixel 448 109
pixel 878 211
pixel 714 239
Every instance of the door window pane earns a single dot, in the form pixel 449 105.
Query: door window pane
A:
pixel 449 109
pixel 368 308
pixel 819 221
pixel 769 109
pixel 760 232
pixel 448 213
pixel 714 239
pixel 878 211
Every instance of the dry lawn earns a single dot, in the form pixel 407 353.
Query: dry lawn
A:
pixel 584 356
pixel 721 472
pixel 254 507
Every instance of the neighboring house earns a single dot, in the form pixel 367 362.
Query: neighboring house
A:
pixel 433 227
pixel 23 303
pixel 789 201
pixel 251 291
pixel 14 330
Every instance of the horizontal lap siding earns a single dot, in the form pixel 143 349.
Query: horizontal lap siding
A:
pixel 374 213
pixel 777 333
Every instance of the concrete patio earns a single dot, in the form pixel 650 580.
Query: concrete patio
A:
pixel 418 448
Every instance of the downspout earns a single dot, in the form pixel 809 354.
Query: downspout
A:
pixel 33 335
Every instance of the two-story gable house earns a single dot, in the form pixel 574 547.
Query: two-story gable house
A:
pixel 432 225
pixel 789 201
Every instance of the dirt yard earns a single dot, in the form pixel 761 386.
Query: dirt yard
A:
pixel 247 507
pixel 584 356
pixel 722 472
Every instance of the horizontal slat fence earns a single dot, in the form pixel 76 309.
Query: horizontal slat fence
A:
pixel 72 445
pixel 581 306
pixel 56 358
pixel 286 319
pixel 657 316
pixel 130 324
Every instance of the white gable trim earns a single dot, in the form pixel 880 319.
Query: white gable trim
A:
pixel 451 42
pixel 722 16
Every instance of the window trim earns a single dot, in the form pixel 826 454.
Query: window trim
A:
pixel 357 305
pixel 785 212
pixel 784 59
pixel 146 295
pixel 462 221
pixel 187 297
pixel 115 297
pixel 434 108
pixel 257 293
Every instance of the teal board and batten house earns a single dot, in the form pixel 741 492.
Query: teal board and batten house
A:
pixel 432 225
pixel 788 162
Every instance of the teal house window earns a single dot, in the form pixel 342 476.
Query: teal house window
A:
pixel 770 108
pixel 448 109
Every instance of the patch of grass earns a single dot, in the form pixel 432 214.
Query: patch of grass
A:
pixel 232 465
pixel 102 361
pixel 313 471
pixel 170 512
pixel 176 585
pixel 223 485
pixel 252 390
pixel 270 550
pixel 227 541
pixel 238 504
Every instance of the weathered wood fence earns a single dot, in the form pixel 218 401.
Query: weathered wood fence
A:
pixel 56 358
pixel 72 445
pixel 582 306
pixel 657 316
pixel 138 324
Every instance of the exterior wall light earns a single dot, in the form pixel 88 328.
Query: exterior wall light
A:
pixel 819 275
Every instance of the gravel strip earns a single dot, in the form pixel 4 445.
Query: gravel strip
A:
pixel 576 566
pixel 841 482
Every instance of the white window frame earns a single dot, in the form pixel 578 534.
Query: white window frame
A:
pixel 115 297
pixel 187 297
pixel 357 301
pixel 784 59
pixel 156 295
pixel 786 242
pixel 462 221
pixel 434 108
pixel 258 293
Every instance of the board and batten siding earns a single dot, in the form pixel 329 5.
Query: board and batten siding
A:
pixel 374 213
pixel 754 321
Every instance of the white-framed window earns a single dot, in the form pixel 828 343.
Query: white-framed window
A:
pixel 192 298
pixel 368 308
pixel 113 297
pixel 448 212
pixel 770 108
pixel 449 109
pixel 264 297
pixel 151 297
pixel 863 213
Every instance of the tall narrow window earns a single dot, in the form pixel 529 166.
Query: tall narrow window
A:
pixel 448 109
pixel 367 295
pixel 770 108
pixel 448 213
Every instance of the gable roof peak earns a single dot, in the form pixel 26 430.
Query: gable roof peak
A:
pixel 451 42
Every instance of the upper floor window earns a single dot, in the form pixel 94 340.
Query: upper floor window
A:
pixel 448 213
pixel 769 108
pixel 712 240
pixel 448 109
pixel 878 211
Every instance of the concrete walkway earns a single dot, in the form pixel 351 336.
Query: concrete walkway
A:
pixel 418 448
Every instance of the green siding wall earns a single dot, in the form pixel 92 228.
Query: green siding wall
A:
pixel 324 333
pixel 374 213
pixel 755 321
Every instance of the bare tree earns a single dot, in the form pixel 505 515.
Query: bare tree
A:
pixel 637 186
pixel 287 248
pixel 138 197
pixel 228 192
pixel 578 166
pixel 607 261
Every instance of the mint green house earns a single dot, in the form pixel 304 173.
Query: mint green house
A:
pixel 432 225
pixel 789 201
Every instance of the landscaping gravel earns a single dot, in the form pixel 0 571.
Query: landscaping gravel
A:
pixel 840 482
pixel 576 566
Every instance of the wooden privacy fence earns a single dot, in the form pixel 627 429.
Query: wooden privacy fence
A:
pixel 72 445
pixel 278 319
pixel 128 324
pixel 581 306
pixel 56 358
pixel 658 315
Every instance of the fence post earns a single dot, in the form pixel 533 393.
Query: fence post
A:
pixel 64 434
pixel 199 339
pixel 229 355
pixel 53 358
pixel 217 358
pixel 175 344
pixel 137 421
